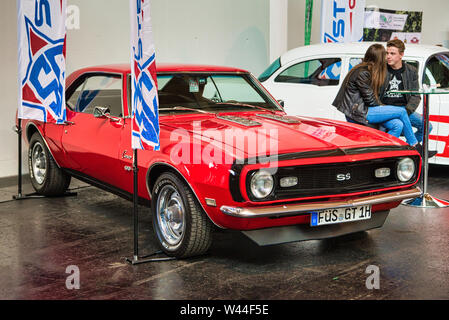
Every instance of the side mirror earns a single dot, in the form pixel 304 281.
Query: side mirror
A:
pixel 281 102
pixel 100 112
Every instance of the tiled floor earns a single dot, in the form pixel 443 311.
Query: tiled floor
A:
pixel 40 238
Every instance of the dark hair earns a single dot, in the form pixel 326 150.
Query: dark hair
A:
pixel 376 64
pixel 397 44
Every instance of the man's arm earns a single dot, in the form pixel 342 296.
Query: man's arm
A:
pixel 414 99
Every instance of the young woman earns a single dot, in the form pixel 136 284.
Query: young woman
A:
pixel 358 97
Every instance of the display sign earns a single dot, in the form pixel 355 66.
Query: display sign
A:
pixel 384 25
pixel 145 115
pixel 41 44
pixel 342 20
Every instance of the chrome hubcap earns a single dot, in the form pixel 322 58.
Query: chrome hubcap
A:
pixel 38 163
pixel 170 215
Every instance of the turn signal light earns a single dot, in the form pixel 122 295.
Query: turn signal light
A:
pixel 289 182
pixel 382 172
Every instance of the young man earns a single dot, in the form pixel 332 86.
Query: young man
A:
pixel 402 76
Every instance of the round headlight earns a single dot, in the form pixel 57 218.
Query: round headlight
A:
pixel 262 184
pixel 406 169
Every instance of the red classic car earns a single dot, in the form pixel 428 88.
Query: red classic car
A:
pixel 229 156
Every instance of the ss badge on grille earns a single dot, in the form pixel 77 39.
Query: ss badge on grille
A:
pixel 344 177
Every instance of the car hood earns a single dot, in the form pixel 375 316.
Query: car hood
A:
pixel 257 135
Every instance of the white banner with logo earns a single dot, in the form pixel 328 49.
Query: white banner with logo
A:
pixel 41 44
pixel 342 20
pixel 384 24
pixel 145 115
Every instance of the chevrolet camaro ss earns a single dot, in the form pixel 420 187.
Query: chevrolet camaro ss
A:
pixel 229 157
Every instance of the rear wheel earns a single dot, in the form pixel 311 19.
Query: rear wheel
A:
pixel 46 177
pixel 180 224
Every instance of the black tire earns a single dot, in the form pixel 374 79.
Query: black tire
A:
pixel 195 237
pixel 50 180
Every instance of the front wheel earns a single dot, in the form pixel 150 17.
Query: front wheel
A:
pixel 46 177
pixel 180 224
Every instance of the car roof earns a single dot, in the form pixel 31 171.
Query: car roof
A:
pixel 125 68
pixel 164 67
pixel 359 48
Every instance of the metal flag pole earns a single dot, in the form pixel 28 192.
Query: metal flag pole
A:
pixel 139 59
pixel 20 196
pixel 426 200
pixel 136 258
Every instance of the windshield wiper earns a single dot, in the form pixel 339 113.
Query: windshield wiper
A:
pixel 246 105
pixel 184 108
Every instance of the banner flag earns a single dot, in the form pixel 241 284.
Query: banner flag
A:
pixel 145 115
pixel 308 24
pixel 41 53
pixel 342 20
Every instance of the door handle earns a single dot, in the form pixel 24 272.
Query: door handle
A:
pixel 69 123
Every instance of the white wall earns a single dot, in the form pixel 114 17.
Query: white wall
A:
pixel 8 87
pixel 278 28
pixel 435 27
pixel 232 33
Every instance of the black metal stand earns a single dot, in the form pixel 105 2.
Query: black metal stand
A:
pixel 34 195
pixel 20 196
pixel 136 258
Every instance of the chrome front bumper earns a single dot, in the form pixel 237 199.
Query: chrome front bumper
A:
pixel 290 209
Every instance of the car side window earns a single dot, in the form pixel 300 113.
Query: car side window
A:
pixel 73 99
pixel 319 72
pixel 353 62
pixel 102 91
pixel 437 71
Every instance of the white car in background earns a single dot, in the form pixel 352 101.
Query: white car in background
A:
pixel 307 79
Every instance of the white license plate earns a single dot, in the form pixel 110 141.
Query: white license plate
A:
pixel 341 215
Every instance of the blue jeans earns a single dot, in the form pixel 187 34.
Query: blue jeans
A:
pixel 416 120
pixel 385 114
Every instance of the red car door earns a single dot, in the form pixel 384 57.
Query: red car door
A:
pixel 92 144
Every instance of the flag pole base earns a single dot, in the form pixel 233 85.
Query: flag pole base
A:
pixel 148 258
pixel 36 195
pixel 426 201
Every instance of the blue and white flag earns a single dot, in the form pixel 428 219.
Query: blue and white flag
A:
pixel 342 20
pixel 41 42
pixel 145 114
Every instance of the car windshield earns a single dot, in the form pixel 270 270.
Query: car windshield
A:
pixel 187 92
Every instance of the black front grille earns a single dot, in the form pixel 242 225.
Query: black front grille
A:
pixel 334 179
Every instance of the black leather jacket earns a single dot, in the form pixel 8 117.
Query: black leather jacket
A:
pixel 356 95
pixel 411 82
